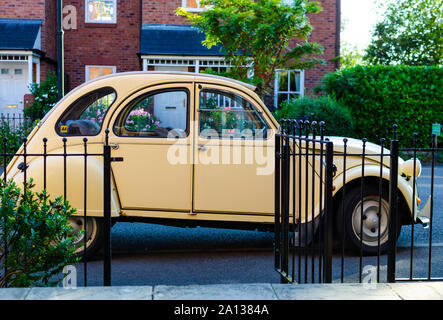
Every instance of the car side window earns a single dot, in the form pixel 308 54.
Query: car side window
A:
pixel 159 114
pixel 226 115
pixel 85 116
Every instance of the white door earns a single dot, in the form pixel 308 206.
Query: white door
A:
pixel 13 86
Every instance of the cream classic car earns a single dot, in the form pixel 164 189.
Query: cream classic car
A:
pixel 197 150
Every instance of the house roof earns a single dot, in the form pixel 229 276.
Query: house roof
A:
pixel 161 39
pixel 20 34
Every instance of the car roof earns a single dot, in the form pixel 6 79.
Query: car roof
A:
pixel 196 76
pixel 176 73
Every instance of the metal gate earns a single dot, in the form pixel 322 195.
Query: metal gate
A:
pixel 64 156
pixel 340 203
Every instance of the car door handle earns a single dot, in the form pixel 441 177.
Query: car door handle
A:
pixel 115 146
pixel 202 148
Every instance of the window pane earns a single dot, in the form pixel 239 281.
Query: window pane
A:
pixel 106 71
pixel 281 98
pixel 93 73
pixel 192 4
pixel 85 116
pixel 155 115
pixel 295 81
pixel 101 10
pixel 107 10
pixel 283 81
pixel 225 114
pixel 5 71
pixel 18 71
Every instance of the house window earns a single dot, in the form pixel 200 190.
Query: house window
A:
pixel 93 72
pixel 101 11
pixel 193 5
pixel 288 84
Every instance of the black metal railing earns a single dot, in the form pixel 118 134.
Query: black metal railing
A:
pixel 373 195
pixel 22 162
pixel 15 121
pixel 303 170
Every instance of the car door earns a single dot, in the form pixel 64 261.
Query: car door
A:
pixel 151 131
pixel 233 153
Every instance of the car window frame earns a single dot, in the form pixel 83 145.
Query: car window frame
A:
pixel 236 91
pixel 151 93
pixel 75 101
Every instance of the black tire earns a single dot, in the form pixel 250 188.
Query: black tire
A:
pixel 95 235
pixel 349 221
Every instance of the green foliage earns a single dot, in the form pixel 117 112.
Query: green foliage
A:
pixel 34 232
pixel 381 96
pixel 409 34
pixel 45 97
pixel 13 133
pixel 338 120
pixel 350 56
pixel 258 33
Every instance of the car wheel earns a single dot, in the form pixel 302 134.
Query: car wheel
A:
pixel 94 236
pixel 349 224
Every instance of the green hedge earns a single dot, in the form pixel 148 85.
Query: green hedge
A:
pixel 381 96
pixel 338 120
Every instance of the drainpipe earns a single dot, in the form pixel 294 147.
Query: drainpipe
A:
pixel 60 53
pixel 337 37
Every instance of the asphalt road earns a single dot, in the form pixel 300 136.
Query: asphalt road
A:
pixel 146 254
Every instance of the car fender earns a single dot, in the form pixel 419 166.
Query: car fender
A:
pixel 355 173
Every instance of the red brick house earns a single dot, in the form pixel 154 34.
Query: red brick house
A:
pixel 106 36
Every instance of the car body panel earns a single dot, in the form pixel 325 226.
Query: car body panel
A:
pixel 241 192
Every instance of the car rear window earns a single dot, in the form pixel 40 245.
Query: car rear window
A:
pixel 85 116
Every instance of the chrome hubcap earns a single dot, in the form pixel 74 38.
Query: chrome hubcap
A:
pixel 78 224
pixel 375 223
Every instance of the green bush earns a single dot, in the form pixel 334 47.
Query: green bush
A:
pixel 36 235
pixel 381 96
pixel 13 135
pixel 338 120
pixel 45 97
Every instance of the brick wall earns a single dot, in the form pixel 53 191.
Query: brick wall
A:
pixel 103 44
pixel 324 32
pixel 162 12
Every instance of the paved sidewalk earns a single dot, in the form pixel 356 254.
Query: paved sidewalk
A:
pixel 259 291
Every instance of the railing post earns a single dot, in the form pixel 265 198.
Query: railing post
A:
pixel 393 210
pixel 329 223
pixel 285 209
pixel 277 203
pixel 107 211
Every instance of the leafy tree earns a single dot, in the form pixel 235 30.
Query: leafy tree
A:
pixel 350 56
pixel 259 32
pixel 409 34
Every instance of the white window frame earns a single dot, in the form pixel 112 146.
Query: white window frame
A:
pixel 184 5
pixel 87 67
pixel 187 61
pixel 28 57
pixel 301 92
pixel 114 20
